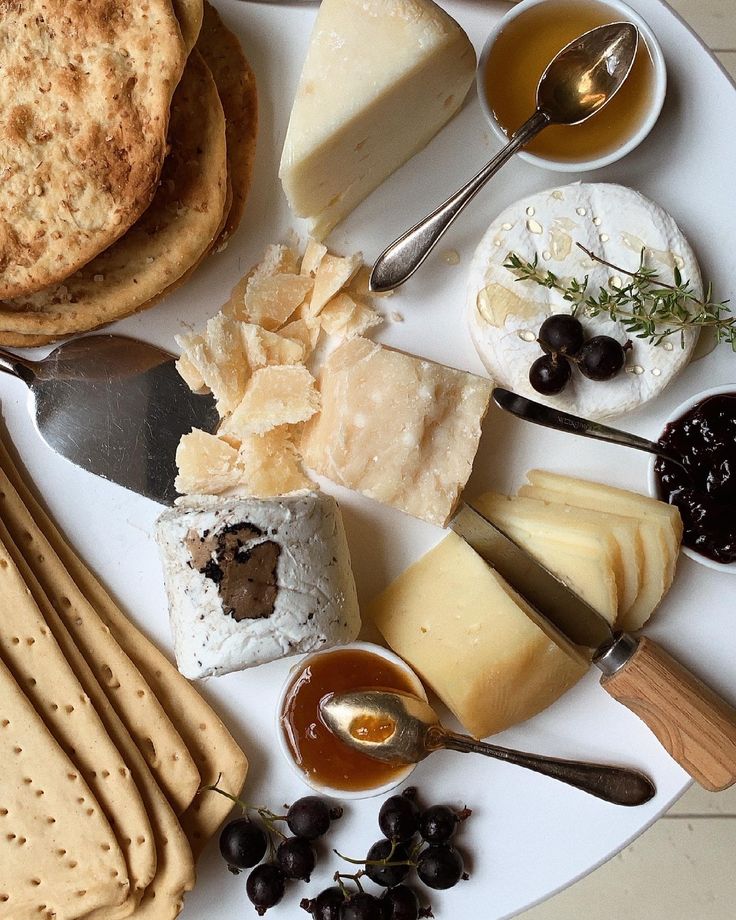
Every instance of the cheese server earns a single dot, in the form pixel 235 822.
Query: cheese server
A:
pixel 694 724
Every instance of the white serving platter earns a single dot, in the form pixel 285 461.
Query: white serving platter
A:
pixel 528 836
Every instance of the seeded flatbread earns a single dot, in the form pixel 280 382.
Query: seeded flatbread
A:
pixel 189 13
pixel 213 748
pixel 174 233
pixel 128 692
pixel 175 865
pixel 35 660
pixel 58 854
pixel 236 84
pixel 84 110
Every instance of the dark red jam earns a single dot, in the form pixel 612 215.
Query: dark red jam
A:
pixel 705 493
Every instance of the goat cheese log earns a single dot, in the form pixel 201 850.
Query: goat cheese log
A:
pixel 251 580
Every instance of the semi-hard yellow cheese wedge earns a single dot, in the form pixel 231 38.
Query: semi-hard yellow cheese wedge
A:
pixel 660 531
pixel 380 79
pixel 583 554
pixel 486 654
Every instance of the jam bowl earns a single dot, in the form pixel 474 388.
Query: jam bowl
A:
pixel 317 756
pixel 703 430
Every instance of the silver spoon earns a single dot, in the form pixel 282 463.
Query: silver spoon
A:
pixel 578 82
pixel 543 415
pixel 398 728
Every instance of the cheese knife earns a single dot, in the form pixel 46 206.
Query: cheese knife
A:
pixel 695 725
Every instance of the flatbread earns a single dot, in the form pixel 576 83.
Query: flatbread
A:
pixel 236 84
pixel 189 13
pixel 128 692
pixel 84 111
pixel 171 237
pixel 33 656
pixel 175 865
pixel 58 854
pixel 215 752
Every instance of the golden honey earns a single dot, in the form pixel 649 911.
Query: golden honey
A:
pixel 520 55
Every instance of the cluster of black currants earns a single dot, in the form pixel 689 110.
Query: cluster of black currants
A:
pixel 412 839
pixel 563 341
pixel 244 843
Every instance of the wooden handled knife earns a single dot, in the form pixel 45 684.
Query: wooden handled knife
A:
pixel 695 725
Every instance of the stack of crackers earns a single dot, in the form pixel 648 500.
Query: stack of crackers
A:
pixel 104 745
pixel 126 150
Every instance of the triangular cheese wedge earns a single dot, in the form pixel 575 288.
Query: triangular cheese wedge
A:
pixel 380 79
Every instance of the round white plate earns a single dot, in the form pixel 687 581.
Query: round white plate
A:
pixel 528 836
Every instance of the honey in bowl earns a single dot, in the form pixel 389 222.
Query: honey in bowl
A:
pixel 521 52
pixel 316 751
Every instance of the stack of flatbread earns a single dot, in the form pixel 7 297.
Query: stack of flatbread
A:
pixel 127 139
pixel 104 746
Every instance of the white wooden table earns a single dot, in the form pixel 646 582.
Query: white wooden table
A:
pixel 682 868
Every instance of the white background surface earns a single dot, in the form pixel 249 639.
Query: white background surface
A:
pixel 528 836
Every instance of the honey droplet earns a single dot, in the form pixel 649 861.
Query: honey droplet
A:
pixel 668 346
pixel 615 282
pixel 581 211
pixel 597 221
pixel 656 372
pixel 530 212
pixel 372 728
pixel 604 237
pixel 636 369
pixel 451 257
pixel 527 335
pixel 533 226
pixel 558 195
pixel 547 255
pixel 506 226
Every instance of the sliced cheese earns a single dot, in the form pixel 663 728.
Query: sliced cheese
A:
pixel 397 428
pixel 380 79
pixel 582 554
pixel 483 651
pixel 660 532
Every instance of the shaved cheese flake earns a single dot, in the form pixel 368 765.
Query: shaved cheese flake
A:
pixel 313 255
pixel 270 301
pixel 264 347
pixel 206 463
pixel 304 332
pixel 333 274
pixel 219 359
pixel 275 395
pixel 346 318
pixel 269 465
pixel 190 375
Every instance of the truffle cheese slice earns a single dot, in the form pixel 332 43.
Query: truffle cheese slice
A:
pixel 380 79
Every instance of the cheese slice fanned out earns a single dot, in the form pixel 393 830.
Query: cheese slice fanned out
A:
pixel 380 79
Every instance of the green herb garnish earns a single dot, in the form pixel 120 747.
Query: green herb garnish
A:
pixel 646 307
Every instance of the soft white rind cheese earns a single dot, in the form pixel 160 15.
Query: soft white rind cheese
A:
pixel 315 604
pixel 505 315
pixel 380 79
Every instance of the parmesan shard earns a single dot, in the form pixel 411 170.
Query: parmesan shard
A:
pixel 397 428
pixel 332 276
pixel 269 465
pixel 380 79
pixel 219 359
pixel 263 347
pixel 206 463
pixel 313 255
pixel 346 318
pixel 303 332
pixel 271 300
pixel 275 395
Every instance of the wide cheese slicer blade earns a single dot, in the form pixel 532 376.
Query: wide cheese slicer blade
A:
pixel 695 725
pixel 116 407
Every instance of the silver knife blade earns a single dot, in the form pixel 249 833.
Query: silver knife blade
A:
pixel 568 613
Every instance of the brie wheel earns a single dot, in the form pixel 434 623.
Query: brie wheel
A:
pixel 505 314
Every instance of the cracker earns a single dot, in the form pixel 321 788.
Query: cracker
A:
pixel 215 752
pixel 84 113
pixel 125 686
pixel 189 14
pixel 58 854
pixel 236 84
pixel 38 665
pixel 175 866
pixel 170 238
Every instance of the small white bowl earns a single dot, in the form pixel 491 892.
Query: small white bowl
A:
pixel 729 567
pixel 626 146
pixel 400 776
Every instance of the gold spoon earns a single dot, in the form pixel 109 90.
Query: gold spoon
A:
pixel 398 728
pixel 583 77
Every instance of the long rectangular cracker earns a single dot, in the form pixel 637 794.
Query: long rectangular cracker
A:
pixel 35 660
pixel 58 854
pixel 174 876
pixel 213 748
pixel 128 691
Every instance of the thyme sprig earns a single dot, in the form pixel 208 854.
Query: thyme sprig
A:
pixel 647 307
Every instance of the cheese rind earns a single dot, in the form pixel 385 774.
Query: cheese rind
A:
pixel 381 77
pixel 397 428
pixel 483 651
pixel 300 596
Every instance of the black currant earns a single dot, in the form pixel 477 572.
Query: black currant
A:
pixel 561 334
pixel 601 358
pixel 438 824
pixel 310 817
pixel 387 876
pixel 440 867
pixel 326 906
pixel 401 903
pixel 550 374
pixel 265 887
pixel 399 818
pixel 296 858
pixel 243 843
pixel 361 906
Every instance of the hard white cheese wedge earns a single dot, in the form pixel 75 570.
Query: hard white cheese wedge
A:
pixel 380 79
pixel 486 654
